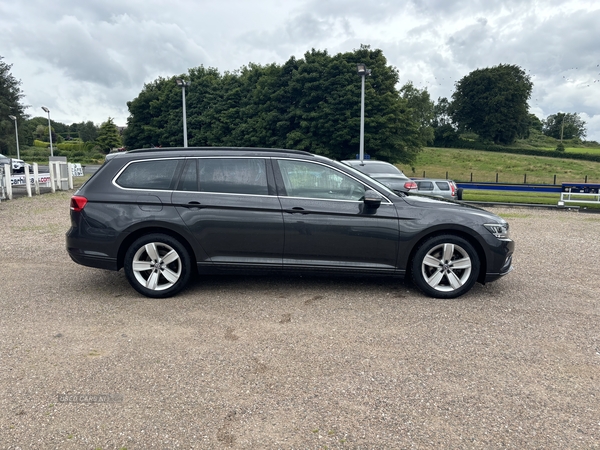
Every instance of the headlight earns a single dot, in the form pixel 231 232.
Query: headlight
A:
pixel 500 230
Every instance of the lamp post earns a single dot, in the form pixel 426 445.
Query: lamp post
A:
pixel 183 84
pixel 363 72
pixel 16 135
pixel 49 130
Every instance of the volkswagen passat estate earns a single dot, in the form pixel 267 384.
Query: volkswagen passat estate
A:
pixel 164 215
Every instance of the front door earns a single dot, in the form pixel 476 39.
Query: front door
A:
pixel 327 224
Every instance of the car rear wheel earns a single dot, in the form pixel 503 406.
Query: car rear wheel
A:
pixel 445 266
pixel 157 265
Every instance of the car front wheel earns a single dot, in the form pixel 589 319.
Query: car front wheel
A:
pixel 445 266
pixel 157 265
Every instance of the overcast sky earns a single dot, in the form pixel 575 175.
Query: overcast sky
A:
pixel 84 59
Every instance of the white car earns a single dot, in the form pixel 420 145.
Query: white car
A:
pixel 18 165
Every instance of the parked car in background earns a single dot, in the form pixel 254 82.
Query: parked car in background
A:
pixel 384 172
pixel 438 188
pixel 163 215
pixel 17 165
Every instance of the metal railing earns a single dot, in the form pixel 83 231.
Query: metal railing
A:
pixel 579 197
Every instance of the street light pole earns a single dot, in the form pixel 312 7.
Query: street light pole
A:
pixel 363 72
pixel 49 130
pixel 16 135
pixel 183 84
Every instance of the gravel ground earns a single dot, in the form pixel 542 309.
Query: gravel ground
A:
pixel 290 362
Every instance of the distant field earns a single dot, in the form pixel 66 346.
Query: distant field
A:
pixel 460 164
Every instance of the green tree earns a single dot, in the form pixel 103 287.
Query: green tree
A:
pixel 86 131
pixel 570 125
pixel 444 131
pixel 312 104
pixel 492 102
pixel 10 105
pixel 535 123
pixel 108 136
pixel 422 110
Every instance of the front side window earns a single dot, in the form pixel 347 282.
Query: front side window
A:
pixel 309 180
pixel 156 174
pixel 233 175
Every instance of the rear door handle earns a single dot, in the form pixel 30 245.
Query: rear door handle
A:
pixel 193 205
pixel 297 210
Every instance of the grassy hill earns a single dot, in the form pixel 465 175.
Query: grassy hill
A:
pixel 511 168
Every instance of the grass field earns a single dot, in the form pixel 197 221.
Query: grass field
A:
pixel 460 164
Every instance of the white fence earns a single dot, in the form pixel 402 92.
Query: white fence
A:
pixel 59 177
pixel 576 197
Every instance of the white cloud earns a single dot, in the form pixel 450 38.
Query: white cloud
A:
pixel 85 60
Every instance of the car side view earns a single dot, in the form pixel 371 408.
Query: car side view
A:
pixel 165 215
pixel 438 188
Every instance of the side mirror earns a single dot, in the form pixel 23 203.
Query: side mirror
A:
pixel 372 199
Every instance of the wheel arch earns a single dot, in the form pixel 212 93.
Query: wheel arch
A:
pixel 131 237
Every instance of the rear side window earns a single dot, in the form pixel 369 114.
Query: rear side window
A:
pixel 425 185
pixel 442 185
pixel 156 174
pixel 233 175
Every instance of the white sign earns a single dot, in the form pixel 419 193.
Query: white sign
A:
pixel 19 180
pixel 77 170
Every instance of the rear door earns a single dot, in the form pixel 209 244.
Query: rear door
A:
pixel 231 207
pixel 326 223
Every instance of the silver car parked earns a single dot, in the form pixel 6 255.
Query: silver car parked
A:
pixel 438 188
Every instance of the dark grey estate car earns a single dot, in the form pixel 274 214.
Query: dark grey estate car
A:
pixel 165 214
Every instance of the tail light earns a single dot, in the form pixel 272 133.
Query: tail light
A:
pixel 410 185
pixel 78 203
pixel 453 189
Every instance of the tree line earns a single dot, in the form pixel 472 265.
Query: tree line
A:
pixel 311 103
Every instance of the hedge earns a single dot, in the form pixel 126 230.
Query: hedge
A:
pixel 473 145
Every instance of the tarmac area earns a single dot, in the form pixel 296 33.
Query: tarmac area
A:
pixel 249 362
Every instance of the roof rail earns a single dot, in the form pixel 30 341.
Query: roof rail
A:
pixel 240 149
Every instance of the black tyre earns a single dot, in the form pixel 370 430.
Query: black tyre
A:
pixel 157 265
pixel 459 193
pixel 445 266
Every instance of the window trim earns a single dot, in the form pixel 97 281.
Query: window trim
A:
pixel 281 191
pixel 174 180
pixel 271 184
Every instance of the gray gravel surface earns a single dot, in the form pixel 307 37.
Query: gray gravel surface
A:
pixel 291 362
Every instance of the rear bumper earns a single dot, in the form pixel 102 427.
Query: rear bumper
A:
pixel 92 260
